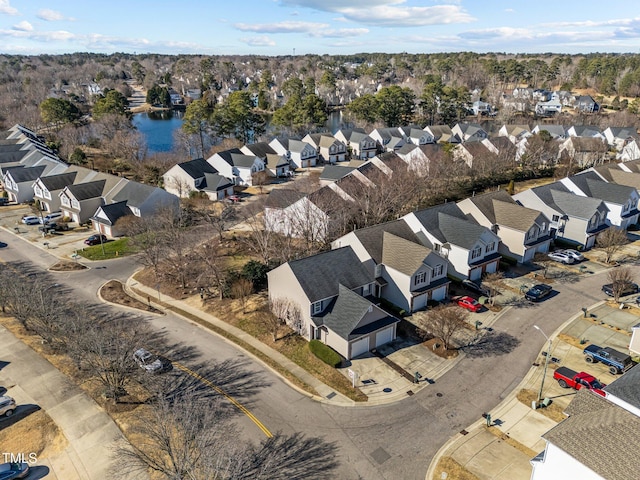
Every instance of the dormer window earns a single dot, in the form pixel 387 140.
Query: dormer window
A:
pixel 476 253
pixel 316 308
pixel 491 247
pixel 420 277
pixel 438 270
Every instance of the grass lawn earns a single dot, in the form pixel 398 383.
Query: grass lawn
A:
pixel 116 248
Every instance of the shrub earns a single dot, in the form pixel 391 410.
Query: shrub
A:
pixel 325 353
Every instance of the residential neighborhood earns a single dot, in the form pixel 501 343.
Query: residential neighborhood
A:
pixel 368 260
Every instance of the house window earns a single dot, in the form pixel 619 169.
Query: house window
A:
pixel 420 277
pixel 316 308
pixel 437 270
pixel 476 252
pixel 491 247
pixel 555 218
pixel 378 270
pixel 544 226
pixel 437 247
pixel 366 290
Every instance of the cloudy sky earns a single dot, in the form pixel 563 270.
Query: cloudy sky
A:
pixel 283 27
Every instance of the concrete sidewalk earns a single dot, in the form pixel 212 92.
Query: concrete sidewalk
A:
pixel 489 456
pixel 90 431
pixel 162 301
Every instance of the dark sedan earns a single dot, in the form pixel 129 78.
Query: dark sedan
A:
pixel 627 289
pixel 538 292
pixel 95 240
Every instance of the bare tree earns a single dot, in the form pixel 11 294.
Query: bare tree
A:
pixel 260 179
pixel 241 289
pixel 178 437
pixel 620 279
pixel 444 322
pixel 287 312
pixel 611 241
pixel 543 260
pixel 493 281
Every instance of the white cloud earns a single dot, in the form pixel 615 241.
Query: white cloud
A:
pixel 7 9
pixel 51 15
pixel 259 41
pixel 282 27
pixel 388 12
pixel 340 32
pixel 23 26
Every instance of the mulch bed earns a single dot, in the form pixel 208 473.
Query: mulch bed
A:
pixel 113 291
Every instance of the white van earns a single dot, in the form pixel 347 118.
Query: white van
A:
pixel 50 218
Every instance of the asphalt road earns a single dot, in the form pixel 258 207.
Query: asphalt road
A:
pixel 377 442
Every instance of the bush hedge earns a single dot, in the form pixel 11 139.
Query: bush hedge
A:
pixel 325 353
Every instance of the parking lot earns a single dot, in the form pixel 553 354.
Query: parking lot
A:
pixel 66 242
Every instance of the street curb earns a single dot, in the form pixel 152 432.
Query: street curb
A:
pixel 317 398
pixel 525 380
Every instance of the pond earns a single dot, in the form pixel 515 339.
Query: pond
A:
pixel 157 129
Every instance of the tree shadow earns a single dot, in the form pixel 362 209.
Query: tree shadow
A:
pixel 289 457
pixel 230 378
pixel 21 411
pixel 491 344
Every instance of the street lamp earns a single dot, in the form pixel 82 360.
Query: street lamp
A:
pixel 546 361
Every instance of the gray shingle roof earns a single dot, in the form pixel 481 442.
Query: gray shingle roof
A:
pixel 282 198
pixel 335 172
pixel 113 212
pixel 84 191
pixel 320 275
pixel 197 168
pixel 372 238
pixel 22 174
pixel 591 184
pixel 627 387
pixel 403 255
pixel 214 182
pixel 515 216
pixel 346 312
pixel 630 179
pixel 575 205
pixel 449 224
pixel 261 149
pixel 58 182
pixel 614 455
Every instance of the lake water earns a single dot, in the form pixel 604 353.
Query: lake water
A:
pixel 157 129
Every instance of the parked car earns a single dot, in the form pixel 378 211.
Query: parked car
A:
pixel 95 240
pixel 576 255
pixel 54 227
pixel 474 287
pixel 617 362
pixel 538 292
pixel 568 378
pixel 147 360
pixel 561 257
pixel 628 289
pixel 12 470
pixel 30 220
pixel 50 217
pixel 4 201
pixel 469 303
pixel 7 406
pixel 233 199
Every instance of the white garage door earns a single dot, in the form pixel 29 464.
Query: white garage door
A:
pixel 439 293
pixel 384 336
pixel 492 267
pixel 419 302
pixel 359 347
pixel 475 274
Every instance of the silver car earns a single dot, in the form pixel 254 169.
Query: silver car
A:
pixel 147 360
pixel 561 257
pixel 576 255
pixel 7 406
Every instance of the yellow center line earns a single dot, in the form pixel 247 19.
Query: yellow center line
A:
pixel 237 404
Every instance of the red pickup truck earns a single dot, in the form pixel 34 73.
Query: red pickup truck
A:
pixel 568 378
